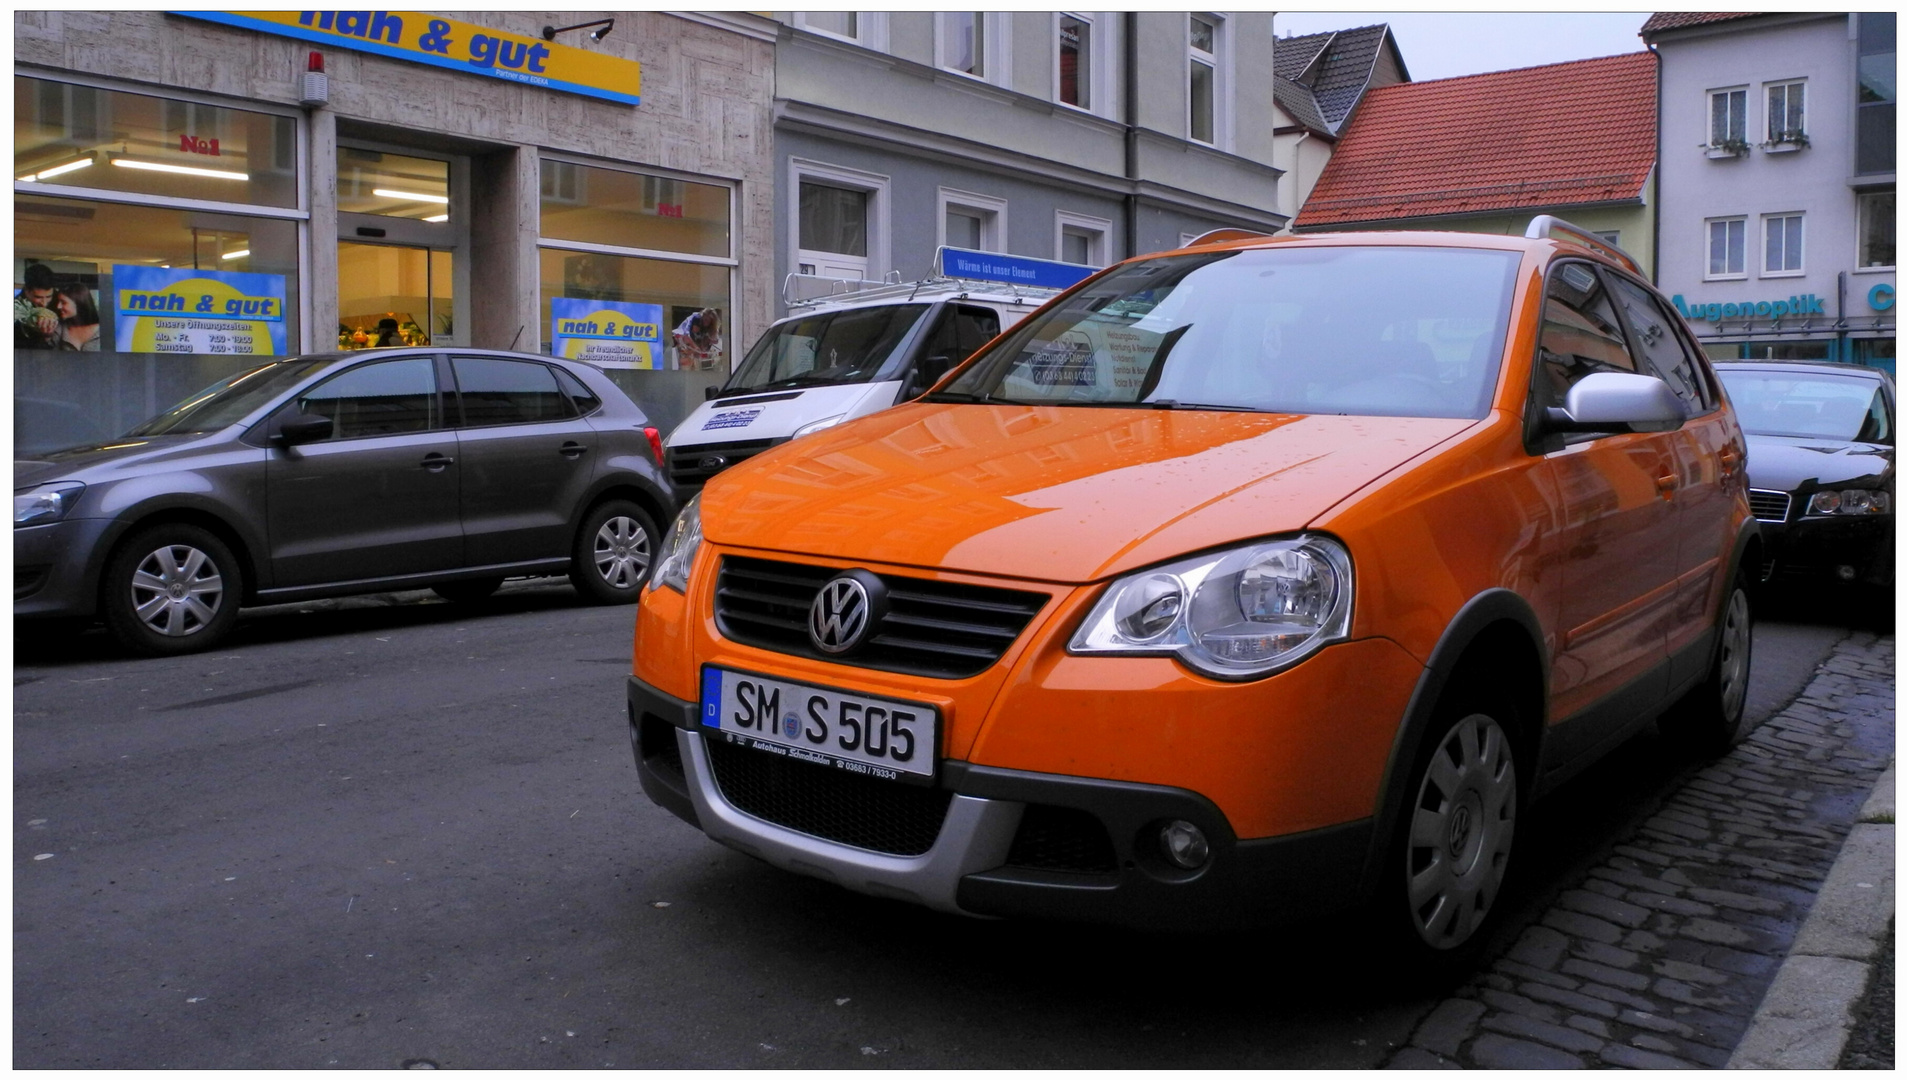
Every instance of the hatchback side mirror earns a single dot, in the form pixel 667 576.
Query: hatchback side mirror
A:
pixel 303 429
pixel 1615 401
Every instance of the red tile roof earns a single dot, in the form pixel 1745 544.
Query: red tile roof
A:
pixel 1675 20
pixel 1557 135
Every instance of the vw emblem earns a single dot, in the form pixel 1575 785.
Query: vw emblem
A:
pixel 845 612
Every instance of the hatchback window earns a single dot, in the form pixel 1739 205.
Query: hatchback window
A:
pixel 508 392
pixel 820 350
pixel 578 393
pixel 1660 345
pixel 1804 405
pixel 1581 335
pixel 394 397
pixel 1369 331
pixel 227 401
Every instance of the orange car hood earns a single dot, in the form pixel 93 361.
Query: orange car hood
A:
pixel 1048 493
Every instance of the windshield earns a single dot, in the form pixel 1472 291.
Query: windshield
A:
pixel 825 349
pixel 1366 331
pixel 1806 405
pixel 224 402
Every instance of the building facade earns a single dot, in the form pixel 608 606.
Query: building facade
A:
pixel 466 179
pixel 1777 177
pixel 1487 153
pixel 1321 80
pixel 1077 136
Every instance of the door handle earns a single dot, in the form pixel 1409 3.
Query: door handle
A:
pixel 571 450
pixel 1666 485
pixel 437 462
pixel 1729 460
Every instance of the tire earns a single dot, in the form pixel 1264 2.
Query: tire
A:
pixel 474 591
pixel 1710 717
pixel 614 552
pixel 1450 853
pixel 171 589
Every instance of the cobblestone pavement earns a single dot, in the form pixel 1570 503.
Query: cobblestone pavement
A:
pixel 1658 957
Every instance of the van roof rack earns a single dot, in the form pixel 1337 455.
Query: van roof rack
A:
pixel 809 290
pixel 1551 227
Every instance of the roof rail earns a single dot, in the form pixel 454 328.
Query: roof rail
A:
pixel 1219 236
pixel 808 290
pixel 1551 227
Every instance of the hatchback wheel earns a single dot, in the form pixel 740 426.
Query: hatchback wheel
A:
pixel 614 550
pixel 1709 718
pixel 171 589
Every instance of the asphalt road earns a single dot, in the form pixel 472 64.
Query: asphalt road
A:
pixel 377 833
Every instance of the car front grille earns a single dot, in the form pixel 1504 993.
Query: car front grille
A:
pixel 1062 838
pixel 1768 505
pixel 692 466
pixel 829 803
pixel 938 629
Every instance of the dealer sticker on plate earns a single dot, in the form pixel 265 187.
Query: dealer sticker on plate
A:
pixel 881 737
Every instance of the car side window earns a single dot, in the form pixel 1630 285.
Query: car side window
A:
pixel 1581 335
pixel 496 391
pixel 580 395
pixel 1661 347
pixel 392 397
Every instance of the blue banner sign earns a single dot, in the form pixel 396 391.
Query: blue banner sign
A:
pixel 166 310
pixel 608 333
pixel 1011 269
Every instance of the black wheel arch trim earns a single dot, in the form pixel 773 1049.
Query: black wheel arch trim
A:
pixel 1487 609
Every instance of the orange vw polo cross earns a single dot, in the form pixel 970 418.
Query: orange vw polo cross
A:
pixel 1237 583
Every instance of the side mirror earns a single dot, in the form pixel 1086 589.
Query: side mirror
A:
pixel 925 374
pixel 303 429
pixel 710 393
pixel 1614 401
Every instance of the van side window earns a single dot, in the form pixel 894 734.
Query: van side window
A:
pixel 1581 335
pixel 1660 345
pixel 961 331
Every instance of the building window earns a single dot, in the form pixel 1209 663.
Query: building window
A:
pixel 974 222
pixel 838 221
pixel 1728 119
pixel 1787 116
pixel 1781 244
pixel 1075 61
pixel 1081 239
pixel 963 42
pixel 1876 231
pixel 592 205
pixel 844 24
pixel 1613 236
pixel 1727 248
pixel 1874 120
pixel 1202 77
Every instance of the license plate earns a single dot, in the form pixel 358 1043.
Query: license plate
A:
pixel 872 736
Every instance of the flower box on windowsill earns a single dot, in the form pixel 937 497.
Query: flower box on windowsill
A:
pixel 1730 149
pixel 1786 143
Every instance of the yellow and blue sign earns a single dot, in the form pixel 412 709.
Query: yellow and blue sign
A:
pixel 449 43
pixel 166 310
pixel 607 332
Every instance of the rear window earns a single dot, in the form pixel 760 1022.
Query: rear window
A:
pixel 1376 331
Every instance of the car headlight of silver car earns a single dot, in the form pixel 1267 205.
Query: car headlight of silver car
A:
pixel 1851 502
pixel 679 546
pixel 44 504
pixel 1242 613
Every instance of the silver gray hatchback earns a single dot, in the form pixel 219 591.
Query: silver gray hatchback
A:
pixel 329 475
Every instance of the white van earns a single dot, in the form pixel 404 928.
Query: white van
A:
pixel 838 356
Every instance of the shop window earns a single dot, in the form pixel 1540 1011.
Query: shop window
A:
pixel 1876 231
pixel 670 297
pixel 1874 352
pixel 1875 75
pixel 592 205
pixel 1787 116
pixel 975 222
pixel 1727 248
pixel 393 185
pixel 1075 61
pixel 1728 119
pixel 110 140
pixel 1781 243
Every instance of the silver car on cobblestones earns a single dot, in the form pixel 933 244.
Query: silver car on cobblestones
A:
pixel 337 474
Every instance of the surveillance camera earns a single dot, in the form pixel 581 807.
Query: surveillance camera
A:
pixel 598 35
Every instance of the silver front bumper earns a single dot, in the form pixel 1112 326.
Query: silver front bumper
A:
pixel 975 836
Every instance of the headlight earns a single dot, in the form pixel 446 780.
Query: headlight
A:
pixel 679 545
pixel 818 425
pixel 1852 502
pixel 46 503
pixel 1238 614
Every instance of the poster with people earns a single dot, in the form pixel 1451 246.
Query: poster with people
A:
pixel 58 311
pixel 179 310
pixel 697 338
pixel 609 333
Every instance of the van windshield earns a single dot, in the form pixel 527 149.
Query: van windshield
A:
pixel 825 348
pixel 1363 331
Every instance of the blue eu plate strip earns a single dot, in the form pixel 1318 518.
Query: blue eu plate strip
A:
pixel 711 698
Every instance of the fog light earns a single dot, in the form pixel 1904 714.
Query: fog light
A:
pixel 1846 572
pixel 1184 844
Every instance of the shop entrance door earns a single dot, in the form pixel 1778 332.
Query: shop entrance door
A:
pixel 402 233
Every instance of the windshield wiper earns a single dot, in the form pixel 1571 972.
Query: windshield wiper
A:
pixel 962 397
pixel 1198 406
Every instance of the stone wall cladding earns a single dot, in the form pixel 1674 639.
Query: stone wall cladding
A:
pixel 707 96
pixel 1658 958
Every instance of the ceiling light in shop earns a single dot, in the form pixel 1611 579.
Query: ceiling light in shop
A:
pixel 438 217
pixel 414 196
pixel 239 254
pixel 57 170
pixel 156 166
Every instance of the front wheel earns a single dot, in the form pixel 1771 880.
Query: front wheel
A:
pixel 171 589
pixel 614 550
pixel 1710 717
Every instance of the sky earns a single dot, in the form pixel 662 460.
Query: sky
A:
pixel 1440 45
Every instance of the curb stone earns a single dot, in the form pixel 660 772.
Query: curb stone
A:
pixel 1808 1013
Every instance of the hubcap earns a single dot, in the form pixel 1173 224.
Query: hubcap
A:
pixel 622 552
pixel 1737 635
pixel 1461 825
pixel 177 590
